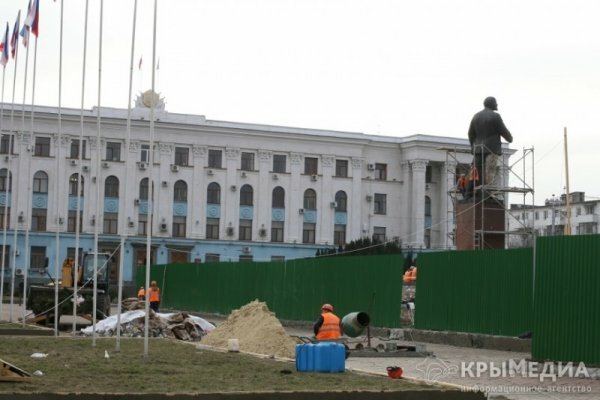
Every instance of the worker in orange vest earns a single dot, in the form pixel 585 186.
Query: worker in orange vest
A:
pixel 328 326
pixel 410 275
pixel 154 296
pixel 141 293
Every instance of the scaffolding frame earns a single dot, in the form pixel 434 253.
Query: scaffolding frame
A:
pixel 497 193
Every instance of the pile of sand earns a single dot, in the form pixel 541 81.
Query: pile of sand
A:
pixel 257 330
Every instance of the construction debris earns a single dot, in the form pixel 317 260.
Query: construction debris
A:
pixel 257 330
pixel 180 326
pixel 11 373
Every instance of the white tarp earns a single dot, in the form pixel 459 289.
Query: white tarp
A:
pixel 110 323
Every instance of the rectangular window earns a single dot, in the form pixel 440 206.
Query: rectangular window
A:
pixel 279 163
pixel 277 231
pixel 72 221
pixel 75 149
pixel 38 257
pixel 247 162
pixel 246 258
pixel 339 235
pixel 308 233
pixel 545 214
pixel 537 215
pixel 311 165
pixel 578 211
pixel 381 171
pixel 4 180
pixel 245 229
pixel 6 255
pixel 2 219
pixel 113 151
pixel 380 206
pixel 145 153
pixel 110 223
pixel 341 168
pixel 179 226
pixel 212 228
pixel 5 142
pixel 182 156
pixel 277 258
pixel 38 219
pixel 587 228
pixel 590 209
pixel 142 224
pixel 212 257
pixel 379 234
pixel 427 238
pixel 42 147
pixel 215 158
pixel 40 184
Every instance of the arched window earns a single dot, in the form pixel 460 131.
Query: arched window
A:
pixel 40 182
pixel 341 201
pixel 111 187
pixel 73 185
pixel 144 189
pixel 5 180
pixel 180 191
pixel 278 200
pixel 246 195
pixel 427 206
pixel 213 193
pixel 310 199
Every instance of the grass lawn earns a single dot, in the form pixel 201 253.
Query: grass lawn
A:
pixel 73 365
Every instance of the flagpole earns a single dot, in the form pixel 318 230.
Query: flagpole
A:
pixel 7 184
pixel 11 139
pixel 127 143
pixel 27 258
pixel 151 184
pixel 79 166
pixel 98 181
pixel 56 186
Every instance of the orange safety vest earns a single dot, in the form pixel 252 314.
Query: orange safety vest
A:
pixel 330 328
pixel 141 293
pixel 154 294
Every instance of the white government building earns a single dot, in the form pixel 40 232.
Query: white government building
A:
pixel 225 191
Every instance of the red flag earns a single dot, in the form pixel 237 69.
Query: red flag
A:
pixel 33 16
pixel 14 39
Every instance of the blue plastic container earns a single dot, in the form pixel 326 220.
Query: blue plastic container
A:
pixel 321 357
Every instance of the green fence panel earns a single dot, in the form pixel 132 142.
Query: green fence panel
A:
pixel 567 299
pixel 294 290
pixel 484 291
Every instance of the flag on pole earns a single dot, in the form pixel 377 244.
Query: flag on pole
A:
pixel 25 29
pixel 4 47
pixel 33 16
pixel 14 39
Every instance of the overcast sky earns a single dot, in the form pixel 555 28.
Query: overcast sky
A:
pixel 393 68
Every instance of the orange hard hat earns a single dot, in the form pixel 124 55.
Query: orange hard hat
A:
pixel 327 307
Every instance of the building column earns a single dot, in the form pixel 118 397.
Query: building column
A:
pixel 356 203
pixel 197 207
pixel 293 221
pixel 325 216
pixel 405 212
pixel 447 180
pixel 264 191
pixel 418 201
pixel 230 199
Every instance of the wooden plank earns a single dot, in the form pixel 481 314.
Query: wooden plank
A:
pixel 7 370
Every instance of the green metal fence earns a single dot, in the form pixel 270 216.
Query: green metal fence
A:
pixel 567 299
pixel 294 290
pixel 485 291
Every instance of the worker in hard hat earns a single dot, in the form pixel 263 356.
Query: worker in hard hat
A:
pixel 328 326
pixel 141 294
pixel 154 296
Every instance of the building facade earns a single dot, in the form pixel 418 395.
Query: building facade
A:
pixel 223 191
pixel 550 219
